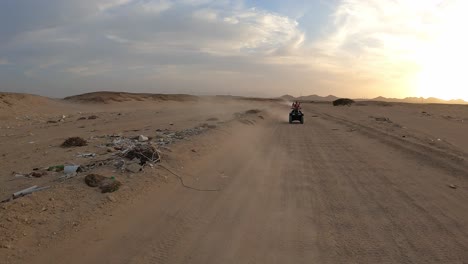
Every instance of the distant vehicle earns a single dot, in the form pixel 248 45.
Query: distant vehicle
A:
pixel 296 113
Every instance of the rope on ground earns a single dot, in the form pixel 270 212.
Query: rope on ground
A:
pixel 181 180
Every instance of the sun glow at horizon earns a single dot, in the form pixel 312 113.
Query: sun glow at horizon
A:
pixel 443 60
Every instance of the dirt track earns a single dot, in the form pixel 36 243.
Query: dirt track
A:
pixel 312 193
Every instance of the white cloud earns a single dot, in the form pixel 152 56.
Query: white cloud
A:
pixel 104 5
pixel 205 14
pixel 156 6
pixel 91 68
pixel 117 38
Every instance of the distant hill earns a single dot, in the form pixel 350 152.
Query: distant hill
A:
pixel 419 100
pixel 411 100
pixel 109 97
pixel 314 97
pixel 288 97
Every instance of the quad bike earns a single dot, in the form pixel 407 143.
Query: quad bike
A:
pixel 296 115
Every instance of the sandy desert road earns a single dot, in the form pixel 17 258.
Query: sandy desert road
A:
pixel 312 193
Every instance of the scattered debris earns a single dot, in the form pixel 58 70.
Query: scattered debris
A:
pixel 67 177
pixel 142 138
pixel 86 155
pixel 56 168
pixel 134 153
pixel 194 151
pixel 74 142
pixel 134 167
pixel 144 153
pixel 71 169
pixel 19 175
pixel 37 174
pixel 25 192
pixel 34 174
pixel 81 118
pixel 92 117
pixel 261 117
pixel 453 186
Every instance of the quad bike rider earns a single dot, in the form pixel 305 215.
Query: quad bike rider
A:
pixel 296 113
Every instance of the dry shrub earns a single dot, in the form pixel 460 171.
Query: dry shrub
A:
pixel 343 102
pixel 110 185
pixel 74 142
pixel 94 180
pixel 106 184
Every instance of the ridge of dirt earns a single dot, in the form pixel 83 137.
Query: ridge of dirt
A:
pixel 109 97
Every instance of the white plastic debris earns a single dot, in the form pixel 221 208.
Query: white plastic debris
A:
pixel 86 155
pixel 142 138
pixel 71 169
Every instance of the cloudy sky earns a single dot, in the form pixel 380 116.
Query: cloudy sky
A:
pixel 354 48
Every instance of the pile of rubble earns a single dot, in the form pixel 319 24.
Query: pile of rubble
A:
pixel 127 154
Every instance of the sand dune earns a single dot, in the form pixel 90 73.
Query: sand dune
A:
pixel 12 100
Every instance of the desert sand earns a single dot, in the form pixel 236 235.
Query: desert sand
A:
pixel 370 183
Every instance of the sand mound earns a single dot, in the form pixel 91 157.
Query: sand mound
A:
pixel 15 100
pixel 14 104
pixel 110 97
